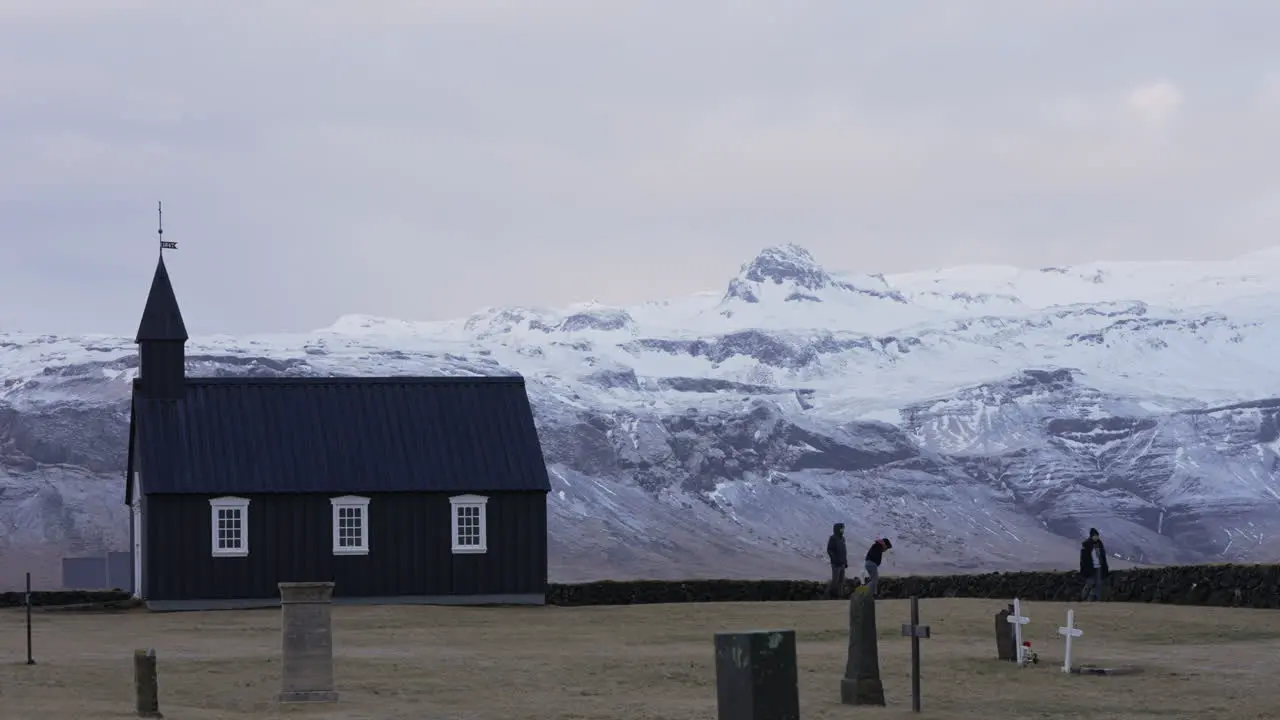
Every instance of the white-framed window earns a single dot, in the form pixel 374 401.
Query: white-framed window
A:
pixel 230 525
pixel 470 534
pixel 350 525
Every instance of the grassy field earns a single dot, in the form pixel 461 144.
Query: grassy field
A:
pixel 641 662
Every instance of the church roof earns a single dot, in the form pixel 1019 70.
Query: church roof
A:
pixel 339 435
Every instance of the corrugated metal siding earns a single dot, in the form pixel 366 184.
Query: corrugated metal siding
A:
pixel 290 540
pixel 518 530
pixel 338 435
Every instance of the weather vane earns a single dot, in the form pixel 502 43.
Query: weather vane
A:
pixel 164 244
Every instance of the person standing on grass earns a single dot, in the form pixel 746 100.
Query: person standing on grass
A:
pixel 872 564
pixel 1093 565
pixel 838 554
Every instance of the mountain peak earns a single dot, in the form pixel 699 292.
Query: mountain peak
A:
pixel 787 264
pixel 783 263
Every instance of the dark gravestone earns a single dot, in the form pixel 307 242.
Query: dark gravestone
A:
pixel 1006 648
pixel 861 683
pixel 756 675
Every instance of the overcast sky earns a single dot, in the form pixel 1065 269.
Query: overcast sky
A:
pixel 424 158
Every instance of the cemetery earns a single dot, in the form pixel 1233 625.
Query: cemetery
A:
pixel 883 657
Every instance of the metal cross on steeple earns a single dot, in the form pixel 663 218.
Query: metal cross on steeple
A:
pixel 164 244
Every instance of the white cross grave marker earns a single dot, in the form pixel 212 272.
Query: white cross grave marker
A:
pixel 1018 621
pixel 1070 631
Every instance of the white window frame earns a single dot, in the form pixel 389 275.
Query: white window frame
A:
pixel 458 503
pixel 230 503
pixel 351 502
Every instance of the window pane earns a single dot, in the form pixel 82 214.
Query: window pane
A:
pixel 468 521
pixel 350 527
pixel 230 528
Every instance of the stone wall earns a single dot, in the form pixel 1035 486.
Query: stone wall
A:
pixel 52 598
pixel 1224 585
pixel 1255 586
pixel 640 592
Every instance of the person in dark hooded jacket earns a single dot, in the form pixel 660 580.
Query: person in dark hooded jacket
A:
pixel 1093 564
pixel 838 554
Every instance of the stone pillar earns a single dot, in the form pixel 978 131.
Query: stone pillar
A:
pixel 1006 647
pixel 306 633
pixel 756 675
pixel 146 689
pixel 861 683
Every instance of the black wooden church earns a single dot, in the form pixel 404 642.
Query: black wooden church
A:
pixel 398 489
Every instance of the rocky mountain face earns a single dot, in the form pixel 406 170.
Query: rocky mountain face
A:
pixel 984 418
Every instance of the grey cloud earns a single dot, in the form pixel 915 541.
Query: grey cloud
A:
pixel 421 159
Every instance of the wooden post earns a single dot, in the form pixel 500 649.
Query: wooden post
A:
pixel 915 631
pixel 27 601
pixel 145 687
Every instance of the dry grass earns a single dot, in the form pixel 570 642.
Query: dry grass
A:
pixel 640 662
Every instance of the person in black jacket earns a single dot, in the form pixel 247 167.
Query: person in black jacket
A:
pixel 1093 564
pixel 872 564
pixel 838 554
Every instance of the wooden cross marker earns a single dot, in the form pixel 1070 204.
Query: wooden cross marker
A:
pixel 1017 620
pixel 1070 631
pixel 915 631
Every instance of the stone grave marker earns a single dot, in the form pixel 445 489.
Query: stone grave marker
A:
pixel 1017 620
pixel 306 635
pixel 861 682
pixel 1006 647
pixel 915 631
pixel 1069 632
pixel 756 675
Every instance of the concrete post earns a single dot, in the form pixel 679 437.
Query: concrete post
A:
pixel 306 642
pixel 146 689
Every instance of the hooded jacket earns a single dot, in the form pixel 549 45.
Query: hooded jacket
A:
pixel 1086 557
pixel 837 550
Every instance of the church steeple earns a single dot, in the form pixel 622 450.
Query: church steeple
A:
pixel 162 339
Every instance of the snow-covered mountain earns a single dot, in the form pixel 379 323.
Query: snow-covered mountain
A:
pixel 983 417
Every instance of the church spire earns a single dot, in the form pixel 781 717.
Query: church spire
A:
pixel 161 318
pixel 162 337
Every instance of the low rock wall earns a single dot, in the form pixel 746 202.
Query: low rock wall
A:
pixel 1256 586
pixel 51 598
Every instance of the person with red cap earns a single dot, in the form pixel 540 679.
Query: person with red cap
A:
pixel 872 564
